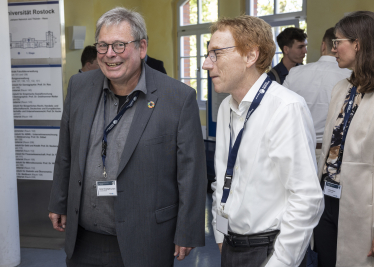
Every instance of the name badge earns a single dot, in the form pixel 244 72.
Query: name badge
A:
pixel 106 188
pixel 222 224
pixel 332 190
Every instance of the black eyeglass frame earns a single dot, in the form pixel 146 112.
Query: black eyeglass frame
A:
pixel 215 55
pixel 124 48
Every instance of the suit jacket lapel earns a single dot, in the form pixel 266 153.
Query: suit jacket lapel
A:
pixel 140 120
pixel 89 109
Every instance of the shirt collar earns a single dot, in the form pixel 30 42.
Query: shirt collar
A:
pixel 282 68
pixel 141 86
pixel 248 98
pixel 327 59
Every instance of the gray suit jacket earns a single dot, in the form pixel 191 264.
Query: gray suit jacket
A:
pixel 162 175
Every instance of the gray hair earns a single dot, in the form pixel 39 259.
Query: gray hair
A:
pixel 120 14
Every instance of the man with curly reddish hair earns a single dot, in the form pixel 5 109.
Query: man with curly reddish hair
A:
pixel 267 197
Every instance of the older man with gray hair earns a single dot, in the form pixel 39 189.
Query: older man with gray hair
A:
pixel 130 178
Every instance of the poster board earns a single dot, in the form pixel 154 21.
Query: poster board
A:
pixel 37 45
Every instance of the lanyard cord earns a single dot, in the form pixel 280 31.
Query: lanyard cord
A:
pixel 233 151
pixel 347 113
pixel 113 124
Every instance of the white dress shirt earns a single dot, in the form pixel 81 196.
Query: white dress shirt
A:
pixel 275 184
pixel 314 82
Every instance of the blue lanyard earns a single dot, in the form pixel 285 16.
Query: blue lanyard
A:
pixel 347 114
pixel 233 151
pixel 113 124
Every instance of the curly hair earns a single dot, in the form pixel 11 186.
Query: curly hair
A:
pixel 250 32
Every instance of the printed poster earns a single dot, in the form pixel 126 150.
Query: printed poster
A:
pixel 37 92
pixel 34 30
pixel 36 149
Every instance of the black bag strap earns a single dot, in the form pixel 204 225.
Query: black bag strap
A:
pixel 277 79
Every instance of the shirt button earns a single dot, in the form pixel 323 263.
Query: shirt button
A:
pixel 241 119
pixel 94 185
pixel 115 103
pixel 94 205
pixel 99 165
pixel 95 224
pixel 79 182
pixel 236 167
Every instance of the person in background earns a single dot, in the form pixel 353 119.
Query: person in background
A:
pixel 292 42
pixel 154 63
pixel 88 59
pixel 314 82
pixel 344 235
pixel 267 198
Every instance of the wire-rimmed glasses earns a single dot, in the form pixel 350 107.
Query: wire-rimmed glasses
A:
pixel 335 42
pixel 212 53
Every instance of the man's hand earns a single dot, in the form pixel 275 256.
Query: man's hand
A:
pixel 182 252
pixel 58 221
pixel 220 247
pixel 371 252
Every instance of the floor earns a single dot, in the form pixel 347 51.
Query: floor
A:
pixel 207 256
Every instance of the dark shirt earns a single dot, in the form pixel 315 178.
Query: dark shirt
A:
pixel 121 101
pixel 281 70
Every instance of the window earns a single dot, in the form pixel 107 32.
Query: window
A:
pixel 195 18
pixel 277 9
pixel 280 14
pixel 261 8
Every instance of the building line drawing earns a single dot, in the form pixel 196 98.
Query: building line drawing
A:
pixel 49 42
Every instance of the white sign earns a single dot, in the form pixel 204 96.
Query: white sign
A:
pixel 36 149
pixel 34 30
pixel 37 92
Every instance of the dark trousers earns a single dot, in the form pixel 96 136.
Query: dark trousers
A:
pixel 326 233
pixel 93 249
pixel 247 257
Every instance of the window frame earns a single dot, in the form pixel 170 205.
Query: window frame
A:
pixel 197 30
pixel 300 15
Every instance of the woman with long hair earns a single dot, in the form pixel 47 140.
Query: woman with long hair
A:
pixel 344 235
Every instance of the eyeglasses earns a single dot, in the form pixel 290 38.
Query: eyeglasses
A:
pixel 335 42
pixel 118 47
pixel 212 53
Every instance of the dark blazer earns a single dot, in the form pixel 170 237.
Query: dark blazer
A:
pixel 161 179
pixel 156 64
